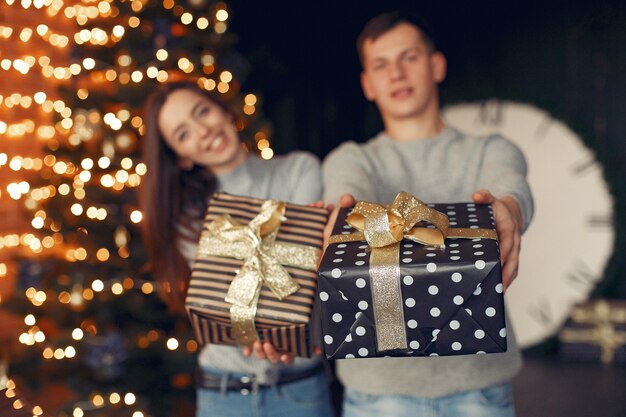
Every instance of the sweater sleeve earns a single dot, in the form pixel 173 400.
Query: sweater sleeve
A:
pixel 504 172
pixel 346 171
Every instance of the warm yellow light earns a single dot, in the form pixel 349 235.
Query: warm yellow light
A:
pixel 221 15
pixel 42 29
pixel 162 76
pixel 110 75
pixel 250 99
pixel 223 87
pixel 262 144
pixel 124 60
pixel 89 63
pixel 104 162
pixel 104 7
pixel 114 398
pixel 161 54
pixel 79 193
pixel 40 296
pixel 98 400
pixel 152 72
pixel 136 216
pixel 102 254
pixel 202 23
pixel 141 168
pixel 64 189
pixel 77 334
pixel 226 76
pixel 80 254
pixel 172 344
pixel 107 181
pixel 126 163
pixel 75 69
pixel 47 242
pixel 136 6
pixel 70 352
pixel 117 288
pixel 78 412
pixel 147 288
pixel 48 353
pixel 136 121
pixel 134 22
pixel 118 31
pixel 137 76
pixel 129 398
pixel 76 209
pixel 97 285
pixel 84 176
pixel 30 320
pixel 220 27
pixel 37 222
pixel 186 18
pixel 183 63
pixel 267 153
pixel 134 180
pixel 86 163
pixel 92 212
pixel 26 34
pixel 39 336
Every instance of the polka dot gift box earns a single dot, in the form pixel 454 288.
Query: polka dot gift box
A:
pixel 442 298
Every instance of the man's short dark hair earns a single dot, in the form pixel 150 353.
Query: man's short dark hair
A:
pixel 384 22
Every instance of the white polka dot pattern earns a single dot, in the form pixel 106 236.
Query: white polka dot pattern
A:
pixel 452 297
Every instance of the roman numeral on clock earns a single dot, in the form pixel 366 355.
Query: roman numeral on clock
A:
pixel 599 220
pixel 581 277
pixel 582 167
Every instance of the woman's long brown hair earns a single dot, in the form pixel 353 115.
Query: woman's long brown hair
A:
pixel 173 200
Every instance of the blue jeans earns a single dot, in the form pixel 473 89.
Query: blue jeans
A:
pixel 493 401
pixel 307 397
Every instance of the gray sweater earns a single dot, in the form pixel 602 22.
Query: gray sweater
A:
pixel 295 178
pixel 446 168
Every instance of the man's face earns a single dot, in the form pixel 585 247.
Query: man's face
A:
pixel 401 74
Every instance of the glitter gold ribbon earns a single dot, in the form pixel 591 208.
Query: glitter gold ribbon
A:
pixel 263 256
pixel 384 227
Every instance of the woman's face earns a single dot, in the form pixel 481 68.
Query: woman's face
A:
pixel 200 132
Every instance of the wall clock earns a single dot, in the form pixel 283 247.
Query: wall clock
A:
pixel 566 247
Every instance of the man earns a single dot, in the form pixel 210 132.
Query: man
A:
pixel 419 154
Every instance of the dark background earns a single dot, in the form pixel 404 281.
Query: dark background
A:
pixel 568 58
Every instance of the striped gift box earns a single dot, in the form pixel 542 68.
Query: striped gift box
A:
pixel 283 323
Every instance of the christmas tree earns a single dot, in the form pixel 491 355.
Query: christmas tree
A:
pixel 97 340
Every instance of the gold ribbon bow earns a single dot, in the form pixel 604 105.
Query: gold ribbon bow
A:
pixel 263 256
pixel 384 227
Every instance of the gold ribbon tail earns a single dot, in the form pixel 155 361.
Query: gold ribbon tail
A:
pixel 387 298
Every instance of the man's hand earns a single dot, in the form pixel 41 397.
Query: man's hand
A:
pixel 508 218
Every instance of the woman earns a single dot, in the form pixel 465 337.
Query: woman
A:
pixel 192 149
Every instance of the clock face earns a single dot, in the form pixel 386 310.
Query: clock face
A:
pixel 566 247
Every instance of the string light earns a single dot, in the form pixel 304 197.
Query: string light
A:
pixel 64 27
